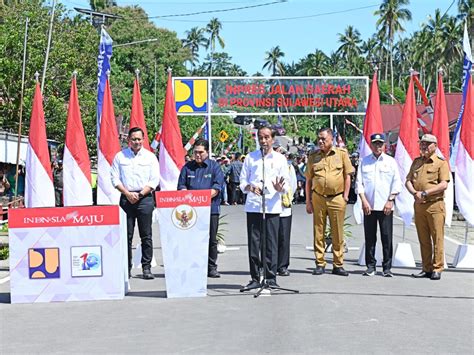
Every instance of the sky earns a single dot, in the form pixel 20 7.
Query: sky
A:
pixel 297 26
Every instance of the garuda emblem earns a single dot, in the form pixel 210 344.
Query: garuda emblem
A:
pixel 184 216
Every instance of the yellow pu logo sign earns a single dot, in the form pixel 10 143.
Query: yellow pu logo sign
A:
pixel 191 95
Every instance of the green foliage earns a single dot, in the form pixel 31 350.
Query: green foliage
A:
pixel 4 252
pixel 221 229
pixel 4 228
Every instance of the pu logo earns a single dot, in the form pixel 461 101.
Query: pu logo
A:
pixel 190 95
pixel 43 263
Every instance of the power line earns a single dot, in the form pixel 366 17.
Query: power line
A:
pixel 283 18
pixel 221 10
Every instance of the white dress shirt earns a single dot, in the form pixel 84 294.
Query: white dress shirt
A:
pixel 276 166
pixel 135 172
pixel 378 179
pixel 286 211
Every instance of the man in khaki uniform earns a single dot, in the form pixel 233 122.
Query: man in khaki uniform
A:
pixel 328 181
pixel 426 181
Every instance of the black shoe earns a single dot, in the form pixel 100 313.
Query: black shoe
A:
pixel 387 273
pixel 251 286
pixel 319 270
pixel 213 274
pixel 422 274
pixel 369 272
pixel 283 272
pixel 147 275
pixel 272 283
pixel 339 271
pixel 435 275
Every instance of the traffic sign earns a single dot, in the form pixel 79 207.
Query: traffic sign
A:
pixel 223 136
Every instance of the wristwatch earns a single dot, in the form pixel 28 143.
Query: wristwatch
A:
pixel 140 195
pixel 423 194
pixel 391 199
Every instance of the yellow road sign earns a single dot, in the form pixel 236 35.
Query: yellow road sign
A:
pixel 223 136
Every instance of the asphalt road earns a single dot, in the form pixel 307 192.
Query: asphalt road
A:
pixel 331 314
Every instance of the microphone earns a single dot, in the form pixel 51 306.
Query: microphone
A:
pixel 263 150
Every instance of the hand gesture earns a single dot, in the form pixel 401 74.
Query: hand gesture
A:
pixel 278 184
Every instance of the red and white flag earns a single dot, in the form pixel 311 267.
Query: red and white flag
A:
pixel 137 118
pixel 441 131
pixel 407 151
pixel 39 188
pixel 108 147
pixel 372 124
pixel 171 146
pixel 77 190
pixel 465 159
pixel 373 119
pixel 156 140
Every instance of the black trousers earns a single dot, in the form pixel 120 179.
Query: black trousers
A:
pixel 234 193
pixel 142 211
pixel 213 226
pixel 284 233
pixel 254 235
pixel 386 233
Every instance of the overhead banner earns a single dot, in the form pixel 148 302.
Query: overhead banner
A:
pixel 67 254
pixel 271 95
pixel 183 218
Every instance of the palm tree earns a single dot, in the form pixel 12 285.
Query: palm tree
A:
pixel 214 28
pixel 272 61
pixel 466 13
pixel 391 15
pixel 350 45
pixel 314 64
pixel 194 40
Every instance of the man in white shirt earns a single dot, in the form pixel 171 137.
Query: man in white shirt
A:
pixel 378 183
pixel 136 173
pixel 276 179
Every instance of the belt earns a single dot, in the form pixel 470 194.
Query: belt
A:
pixel 328 196
pixel 435 199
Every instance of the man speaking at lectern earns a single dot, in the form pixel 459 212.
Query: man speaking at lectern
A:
pixel 261 163
pixel 203 173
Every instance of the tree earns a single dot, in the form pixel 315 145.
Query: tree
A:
pixel 194 40
pixel 350 48
pixel 214 28
pixel 272 61
pixel 314 64
pixel 100 5
pixel 222 65
pixel 75 46
pixel 391 15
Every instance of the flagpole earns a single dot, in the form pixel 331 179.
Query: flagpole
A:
pixel 21 105
pixel 209 110
pixel 48 47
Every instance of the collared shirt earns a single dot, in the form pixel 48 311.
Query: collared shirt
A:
pixel 328 171
pixel 235 169
pixel 276 166
pixel 378 178
pixel 135 171
pixel 208 175
pixel 426 173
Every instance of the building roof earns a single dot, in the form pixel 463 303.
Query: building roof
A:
pixel 392 114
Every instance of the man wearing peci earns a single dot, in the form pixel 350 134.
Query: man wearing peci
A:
pixel 377 184
pixel 328 181
pixel 203 173
pixel 426 181
pixel 135 173
pixel 251 183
